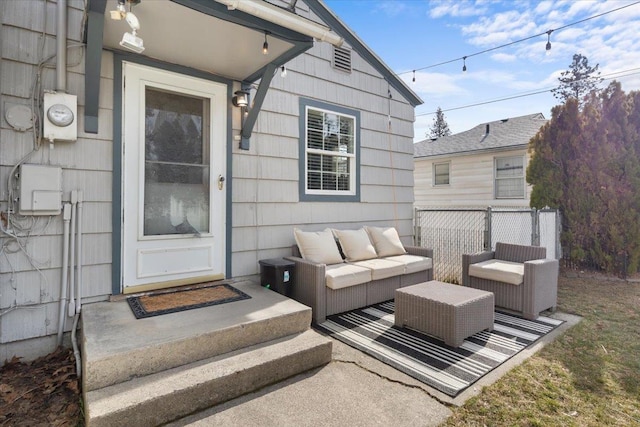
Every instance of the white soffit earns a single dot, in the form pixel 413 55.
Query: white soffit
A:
pixel 180 35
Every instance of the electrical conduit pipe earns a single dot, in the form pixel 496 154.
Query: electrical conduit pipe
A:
pixel 79 261
pixel 66 217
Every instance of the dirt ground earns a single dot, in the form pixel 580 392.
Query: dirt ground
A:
pixel 44 392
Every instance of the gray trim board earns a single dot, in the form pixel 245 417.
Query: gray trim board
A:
pixel 93 63
pixel 261 93
pixel 326 15
pixel 302 193
pixel 117 203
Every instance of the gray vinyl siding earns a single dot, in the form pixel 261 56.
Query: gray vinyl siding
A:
pixel 86 165
pixel 265 199
pixel 266 204
pixel 471 181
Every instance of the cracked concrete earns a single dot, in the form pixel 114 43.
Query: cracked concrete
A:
pixel 354 390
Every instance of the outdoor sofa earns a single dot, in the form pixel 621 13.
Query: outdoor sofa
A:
pixel 342 270
pixel 520 277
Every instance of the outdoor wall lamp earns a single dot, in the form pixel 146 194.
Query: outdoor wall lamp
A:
pixel 241 99
pixel 130 40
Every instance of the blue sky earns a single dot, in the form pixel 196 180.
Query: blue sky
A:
pixel 412 34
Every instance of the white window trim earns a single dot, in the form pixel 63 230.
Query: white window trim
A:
pixel 495 177
pixel 434 184
pixel 351 156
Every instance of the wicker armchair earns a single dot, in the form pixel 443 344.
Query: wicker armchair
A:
pixel 539 287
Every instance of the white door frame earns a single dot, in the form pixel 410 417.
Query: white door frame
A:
pixel 150 262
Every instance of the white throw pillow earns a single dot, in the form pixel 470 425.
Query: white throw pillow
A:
pixel 386 241
pixel 318 246
pixel 355 244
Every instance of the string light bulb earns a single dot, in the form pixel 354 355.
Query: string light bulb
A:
pixel 265 45
pixel 283 71
pixel 414 76
pixel 464 64
pixel 548 46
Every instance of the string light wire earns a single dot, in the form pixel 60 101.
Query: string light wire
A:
pixel 548 32
pixel 611 76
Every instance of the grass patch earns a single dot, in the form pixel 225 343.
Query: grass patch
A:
pixel 590 376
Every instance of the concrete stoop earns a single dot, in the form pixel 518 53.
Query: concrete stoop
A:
pixel 175 393
pixel 146 372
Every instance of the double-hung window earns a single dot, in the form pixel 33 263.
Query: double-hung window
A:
pixel 329 147
pixel 441 174
pixel 509 177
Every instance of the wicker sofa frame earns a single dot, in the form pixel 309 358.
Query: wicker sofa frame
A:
pixel 537 293
pixel 310 289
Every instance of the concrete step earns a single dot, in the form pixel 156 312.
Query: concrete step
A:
pixel 117 347
pixel 165 396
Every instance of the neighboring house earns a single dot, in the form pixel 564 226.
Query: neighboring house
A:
pixel 484 166
pixel 178 181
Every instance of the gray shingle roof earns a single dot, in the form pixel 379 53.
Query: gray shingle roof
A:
pixel 507 133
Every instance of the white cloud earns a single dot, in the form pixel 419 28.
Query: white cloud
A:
pixel 391 8
pixel 456 8
pixel 434 84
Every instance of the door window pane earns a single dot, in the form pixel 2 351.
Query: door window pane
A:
pixel 176 190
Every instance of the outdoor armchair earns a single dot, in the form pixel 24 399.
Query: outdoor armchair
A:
pixel 520 277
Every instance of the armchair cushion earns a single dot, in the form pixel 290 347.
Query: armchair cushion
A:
pixel 318 246
pixel 386 241
pixel 343 275
pixel 355 244
pixel 498 270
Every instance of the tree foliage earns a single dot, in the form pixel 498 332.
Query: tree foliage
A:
pixel 578 81
pixel 440 127
pixel 586 162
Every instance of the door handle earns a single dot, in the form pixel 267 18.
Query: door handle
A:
pixel 220 182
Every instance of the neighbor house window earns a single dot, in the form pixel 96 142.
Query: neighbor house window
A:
pixel 509 177
pixel 441 173
pixel 329 145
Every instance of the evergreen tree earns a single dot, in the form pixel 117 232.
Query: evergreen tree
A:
pixel 586 162
pixel 440 127
pixel 578 81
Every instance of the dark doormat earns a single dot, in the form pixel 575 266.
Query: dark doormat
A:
pixel 164 302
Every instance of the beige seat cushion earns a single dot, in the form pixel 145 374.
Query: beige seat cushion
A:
pixel 386 241
pixel 382 268
pixel 318 246
pixel 498 270
pixel 355 244
pixel 340 276
pixel 413 263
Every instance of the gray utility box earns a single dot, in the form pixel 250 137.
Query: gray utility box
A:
pixel 277 274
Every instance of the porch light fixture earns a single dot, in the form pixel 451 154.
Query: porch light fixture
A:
pixel 130 40
pixel 265 45
pixel 241 99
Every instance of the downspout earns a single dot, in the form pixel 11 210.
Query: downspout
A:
pixel 61 46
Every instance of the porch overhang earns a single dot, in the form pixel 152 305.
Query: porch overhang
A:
pixel 221 37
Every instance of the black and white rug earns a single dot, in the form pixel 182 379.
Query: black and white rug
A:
pixel 448 369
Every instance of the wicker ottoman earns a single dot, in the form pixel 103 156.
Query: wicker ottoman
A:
pixel 448 312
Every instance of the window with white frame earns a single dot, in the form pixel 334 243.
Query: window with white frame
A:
pixel 441 173
pixel 509 177
pixel 330 149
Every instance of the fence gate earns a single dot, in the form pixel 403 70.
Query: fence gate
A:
pixel 453 232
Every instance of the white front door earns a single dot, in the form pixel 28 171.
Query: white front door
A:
pixel 174 158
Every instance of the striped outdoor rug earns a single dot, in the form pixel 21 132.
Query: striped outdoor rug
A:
pixel 448 369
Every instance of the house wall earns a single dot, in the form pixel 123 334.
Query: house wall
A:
pixel 30 278
pixel 471 181
pixel 265 178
